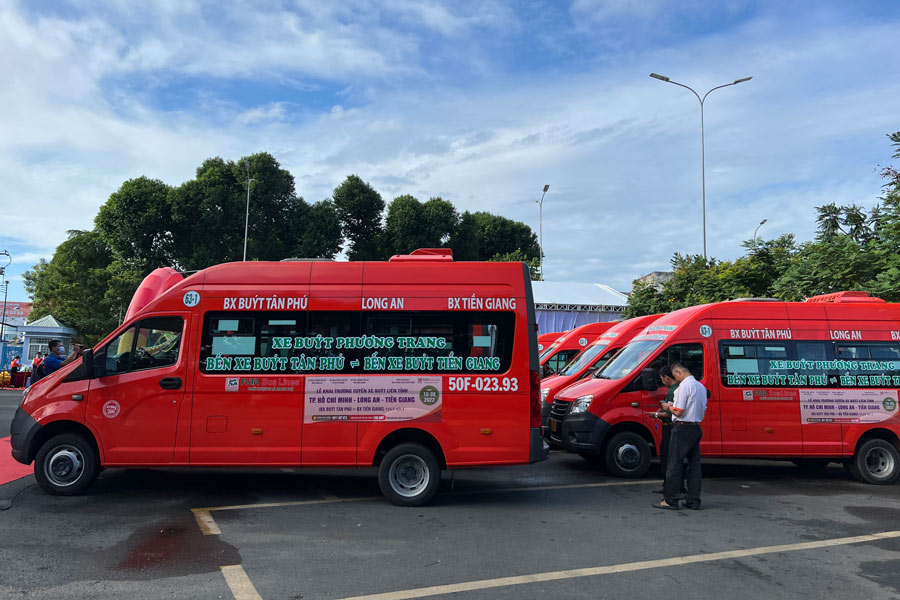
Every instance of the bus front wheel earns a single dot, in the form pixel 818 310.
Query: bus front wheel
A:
pixel 876 461
pixel 67 464
pixel 409 475
pixel 627 455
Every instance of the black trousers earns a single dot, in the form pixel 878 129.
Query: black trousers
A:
pixel 664 450
pixel 684 445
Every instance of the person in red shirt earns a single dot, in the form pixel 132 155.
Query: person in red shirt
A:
pixel 14 366
pixel 37 362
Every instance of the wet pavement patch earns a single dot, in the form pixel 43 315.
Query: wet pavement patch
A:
pixel 885 573
pixel 168 549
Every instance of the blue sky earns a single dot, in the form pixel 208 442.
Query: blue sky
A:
pixel 481 103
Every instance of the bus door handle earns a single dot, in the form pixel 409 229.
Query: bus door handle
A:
pixel 170 383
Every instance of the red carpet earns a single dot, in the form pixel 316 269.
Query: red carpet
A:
pixel 10 469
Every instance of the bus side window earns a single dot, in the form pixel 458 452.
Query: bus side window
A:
pixel 335 325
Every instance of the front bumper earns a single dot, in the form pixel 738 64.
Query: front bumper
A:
pixel 22 432
pixel 582 432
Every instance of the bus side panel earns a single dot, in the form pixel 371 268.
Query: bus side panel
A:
pixel 757 421
pixel 810 333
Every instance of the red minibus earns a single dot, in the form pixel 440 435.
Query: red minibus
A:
pixel 568 346
pixel 812 382
pixel 411 366
pixel 589 362
pixel 545 339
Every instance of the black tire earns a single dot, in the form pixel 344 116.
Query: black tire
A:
pixel 67 464
pixel 811 465
pixel 409 475
pixel 876 461
pixel 627 454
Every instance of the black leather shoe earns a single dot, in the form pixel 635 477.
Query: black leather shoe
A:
pixel 690 506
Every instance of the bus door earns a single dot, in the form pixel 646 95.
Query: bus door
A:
pixel 139 384
pixel 693 356
pixel 247 408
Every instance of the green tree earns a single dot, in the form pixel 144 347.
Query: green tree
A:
pixel 136 223
pixel 208 215
pixel 644 299
pixel 77 286
pixel 534 267
pixel 411 224
pixel 464 238
pixel 360 208
pixel 492 235
pixel 319 227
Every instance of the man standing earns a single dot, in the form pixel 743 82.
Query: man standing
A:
pixel 57 356
pixel 688 411
pixel 665 419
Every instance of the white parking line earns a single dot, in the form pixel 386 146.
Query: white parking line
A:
pixel 484 584
pixel 240 585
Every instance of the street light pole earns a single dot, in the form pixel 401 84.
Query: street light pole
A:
pixel 5 291
pixel 702 136
pixel 761 223
pixel 541 230
pixel 247 214
pixel 3 319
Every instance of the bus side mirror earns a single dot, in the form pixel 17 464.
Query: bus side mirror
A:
pixel 648 380
pixel 87 359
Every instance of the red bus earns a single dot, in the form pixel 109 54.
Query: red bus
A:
pixel 545 339
pixel 569 345
pixel 589 362
pixel 411 366
pixel 812 382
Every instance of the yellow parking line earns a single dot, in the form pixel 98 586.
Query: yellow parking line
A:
pixel 484 584
pixel 240 585
pixel 206 522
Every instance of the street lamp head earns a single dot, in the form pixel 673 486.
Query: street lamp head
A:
pixel 763 222
pixel 546 187
pixel 658 76
pixel 742 80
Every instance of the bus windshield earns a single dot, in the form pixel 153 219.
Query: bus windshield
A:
pixel 586 358
pixel 629 359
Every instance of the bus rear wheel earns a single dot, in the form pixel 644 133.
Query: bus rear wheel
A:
pixel 627 455
pixel 67 464
pixel 409 475
pixel 876 461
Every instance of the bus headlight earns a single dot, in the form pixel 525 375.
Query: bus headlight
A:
pixel 581 404
pixel 544 393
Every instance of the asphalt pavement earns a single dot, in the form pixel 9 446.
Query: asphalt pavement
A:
pixel 558 529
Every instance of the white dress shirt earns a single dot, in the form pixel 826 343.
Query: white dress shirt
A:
pixel 691 398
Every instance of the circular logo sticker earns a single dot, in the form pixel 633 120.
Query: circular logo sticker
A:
pixel 889 404
pixel 111 409
pixel 192 299
pixel 705 330
pixel 429 395
pixel 582 341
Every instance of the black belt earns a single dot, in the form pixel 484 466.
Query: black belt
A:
pixel 687 422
